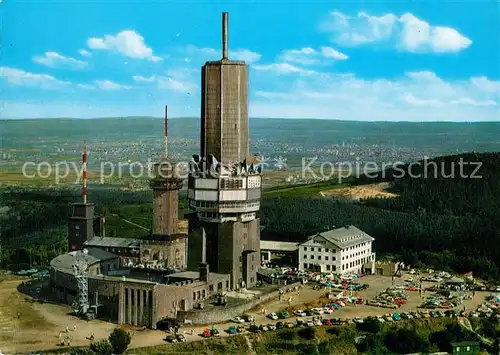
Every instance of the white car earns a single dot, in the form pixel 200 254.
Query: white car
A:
pixel 239 320
pixel 318 311
pixel 272 316
pixel 300 313
pixel 327 310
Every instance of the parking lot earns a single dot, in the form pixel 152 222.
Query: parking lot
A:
pixel 307 298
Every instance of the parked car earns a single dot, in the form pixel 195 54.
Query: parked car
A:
pixel 300 313
pixel 327 310
pixel 248 318
pixel 317 311
pixel 327 322
pixel 280 325
pixel 271 326
pixel 283 315
pixel 171 339
pixel 180 337
pixel 254 329
pixel 272 316
pixel 232 330
pixel 239 320
pixel 358 320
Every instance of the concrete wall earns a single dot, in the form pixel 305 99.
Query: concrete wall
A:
pixel 224 98
pixel 222 314
pixel 168 253
pixel 171 299
pixel 165 210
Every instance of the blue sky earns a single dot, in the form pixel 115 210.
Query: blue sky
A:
pixel 353 60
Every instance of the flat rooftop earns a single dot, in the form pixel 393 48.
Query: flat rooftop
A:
pixel 276 245
pixel 113 242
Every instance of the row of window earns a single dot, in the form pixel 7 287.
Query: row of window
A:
pixel 319 257
pixel 356 246
pixel 355 263
pixel 328 267
pixel 231 183
pixel 355 254
pixel 319 250
pixel 212 204
pixel 199 295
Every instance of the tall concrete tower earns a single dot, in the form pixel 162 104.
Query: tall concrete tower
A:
pixel 165 185
pixel 225 185
pixel 224 107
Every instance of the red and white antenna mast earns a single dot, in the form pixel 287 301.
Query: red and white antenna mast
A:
pixel 166 131
pixel 84 161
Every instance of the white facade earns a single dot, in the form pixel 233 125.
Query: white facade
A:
pixel 343 255
pixel 223 199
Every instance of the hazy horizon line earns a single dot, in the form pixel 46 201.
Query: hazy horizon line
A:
pixel 258 118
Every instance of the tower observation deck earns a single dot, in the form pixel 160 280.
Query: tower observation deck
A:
pixel 225 184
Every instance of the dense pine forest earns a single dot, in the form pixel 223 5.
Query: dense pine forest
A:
pixel 446 215
pixel 447 219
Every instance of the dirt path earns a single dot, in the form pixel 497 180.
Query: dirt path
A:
pixel 130 222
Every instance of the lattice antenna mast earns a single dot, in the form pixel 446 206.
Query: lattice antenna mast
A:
pixel 80 266
pixel 84 166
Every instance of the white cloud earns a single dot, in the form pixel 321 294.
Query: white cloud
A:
pixel 85 86
pixel 309 56
pixel 110 85
pixel 284 68
pixel 19 77
pixel 127 42
pixel 85 53
pixel 484 84
pixel 55 60
pixel 415 96
pixel 179 80
pixel 143 79
pixel 407 32
pixel 246 55
pixel 170 83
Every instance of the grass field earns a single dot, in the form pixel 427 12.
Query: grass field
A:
pixel 305 189
pixel 16 312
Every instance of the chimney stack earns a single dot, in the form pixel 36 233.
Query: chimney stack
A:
pixel 204 271
pixel 224 36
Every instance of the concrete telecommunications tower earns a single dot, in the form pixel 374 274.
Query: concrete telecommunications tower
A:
pixel 224 186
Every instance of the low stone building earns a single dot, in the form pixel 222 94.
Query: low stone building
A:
pixel 140 298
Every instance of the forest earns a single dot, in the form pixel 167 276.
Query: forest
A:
pixel 445 216
pixel 439 220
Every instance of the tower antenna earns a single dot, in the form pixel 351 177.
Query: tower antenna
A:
pixel 224 35
pixel 166 131
pixel 80 266
pixel 84 161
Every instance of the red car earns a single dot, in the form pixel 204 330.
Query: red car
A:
pixel 327 322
